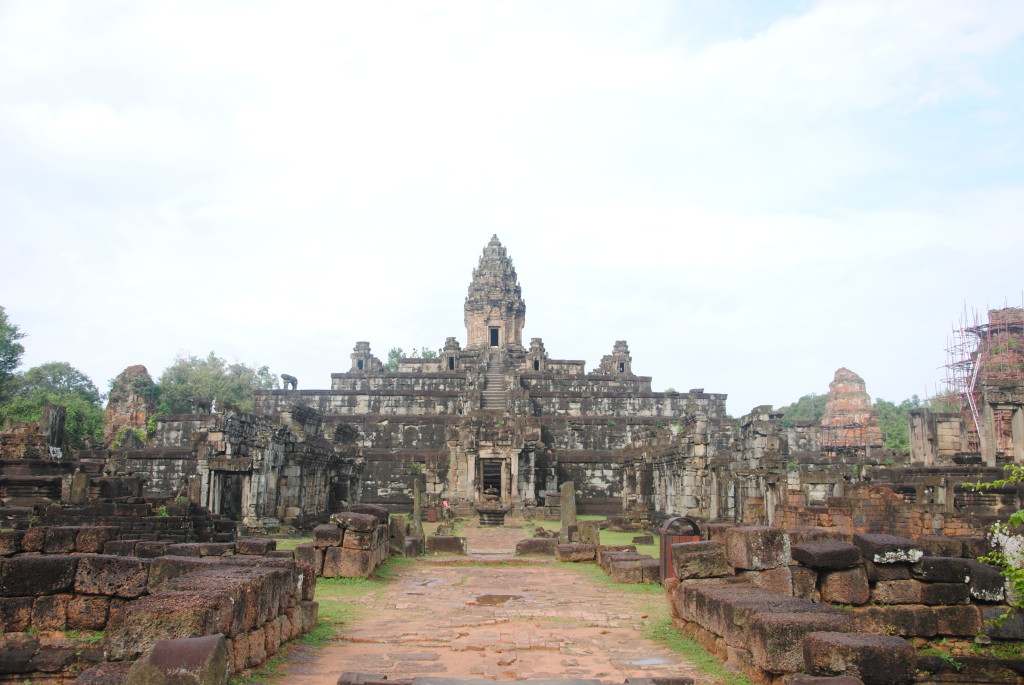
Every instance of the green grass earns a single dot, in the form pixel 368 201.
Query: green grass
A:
pixel 290 542
pixel 662 631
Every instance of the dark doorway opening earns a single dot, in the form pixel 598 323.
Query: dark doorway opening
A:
pixel 359 364
pixel 490 476
pixel 451 363
pixel 536 365
pixel 494 337
pixel 231 496
pixel 622 367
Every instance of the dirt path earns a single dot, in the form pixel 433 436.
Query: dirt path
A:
pixel 506 622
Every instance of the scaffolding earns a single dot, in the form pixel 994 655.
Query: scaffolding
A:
pixel 978 352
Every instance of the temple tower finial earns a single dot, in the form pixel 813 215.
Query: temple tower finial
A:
pixel 495 311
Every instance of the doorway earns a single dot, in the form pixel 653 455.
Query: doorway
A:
pixel 494 336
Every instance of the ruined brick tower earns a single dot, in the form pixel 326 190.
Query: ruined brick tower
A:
pixel 495 311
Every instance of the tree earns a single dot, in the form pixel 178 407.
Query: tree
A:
pixel 428 353
pixel 59 378
pixel 394 354
pixel 894 422
pixel 1008 552
pixel 10 355
pixel 810 407
pixel 211 378
pixel 62 384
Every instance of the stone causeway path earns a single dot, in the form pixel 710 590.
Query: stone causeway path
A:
pixel 472 617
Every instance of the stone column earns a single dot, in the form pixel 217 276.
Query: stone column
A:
pixel 1017 427
pixel 568 498
pixel 988 434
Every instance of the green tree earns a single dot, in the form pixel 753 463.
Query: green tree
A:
pixel 428 353
pixel 894 422
pixel 1008 554
pixel 810 407
pixel 394 354
pixel 62 384
pixel 211 378
pixel 58 378
pixel 10 355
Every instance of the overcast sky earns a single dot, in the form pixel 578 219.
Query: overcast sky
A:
pixel 752 194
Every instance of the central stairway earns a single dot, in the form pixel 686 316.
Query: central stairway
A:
pixel 493 395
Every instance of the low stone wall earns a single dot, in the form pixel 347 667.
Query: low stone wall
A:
pixel 352 545
pixel 61 612
pixel 763 599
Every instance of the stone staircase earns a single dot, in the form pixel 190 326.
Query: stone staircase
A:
pixel 493 395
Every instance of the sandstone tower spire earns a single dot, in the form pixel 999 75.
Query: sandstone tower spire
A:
pixel 495 311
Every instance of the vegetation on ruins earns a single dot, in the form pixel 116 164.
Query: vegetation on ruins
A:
pixel 397 353
pixel 894 422
pixel 10 355
pixel 61 384
pixel 1008 552
pixel 810 407
pixel 208 378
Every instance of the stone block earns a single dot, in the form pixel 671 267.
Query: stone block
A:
pixel 105 673
pixel 216 549
pixel 703 559
pixel 887 549
pixel 652 570
pixel 355 539
pixel 15 614
pixel 150 549
pixel 897 592
pixel 122 548
pixel 92 539
pixel 50 612
pixel 88 612
pixel 59 655
pixel 908 620
pixel 446 544
pixel 111 575
pixel 272 637
pixel 382 515
pixel 975 547
pixel 941 546
pixel 185 661
pixel 849 586
pixel 757 548
pixel 328 534
pixel 60 540
pixel 986 583
pixel 589 533
pixel 36 575
pixel 185 549
pixel 255 546
pixel 545 546
pixel 576 552
pixel 827 554
pixel 312 556
pixel 875 659
pixel 413 547
pixel 776 638
pixel 238 652
pixel 168 567
pixel 779 579
pixel 960 621
pixel 340 562
pixel 142 623
pixel 34 539
pixel 257 648
pixel 10 542
pixel 351 520
pixel 805 583
pixel 612 549
pixel 626 571
pixel 877 572
pixel 802 534
pixel 16 652
pixel 1012 628
pixel 941 570
pixel 256 593
pixel 307 613
pixel 936 594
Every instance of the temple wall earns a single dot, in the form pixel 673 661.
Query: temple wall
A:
pixel 347 402
pixel 405 382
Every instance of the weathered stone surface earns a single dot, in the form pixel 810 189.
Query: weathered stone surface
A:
pixel 105 673
pixel 612 549
pixel 255 546
pixel 805 583
pixel 962 620
pixel 148 549
pixel 1011 629
pixel 87 612
pixel 10 542
pixel 340 562
pixel 351 520
pixel 36 575
pixel 626 571
pixel 704 559
pixel 588 532
pixel 50 612
pixel 898 592
pixel 575 551
pixel 312 556
pixel 877 572
pixel 355 539
pixel 848 404
pixel 827 554
pixel 779 579
pixel 128 408
pixel 34 539
pixel 545 546
pixel 60 540
pixel 986 582
pixel 776 638
pixel 170 615
pixel 567 492
pixel 15 614
pixel 935 594
pixel 185 661
pixel 887 549
pixel 382 515
pixel 941 570
pixel 875 659
pixel 16 652
pixel 757 548
pixel 446 544
pixel 849 586
pixel 909 620
pixel 112 575
pixel 941 546
pixel 91 539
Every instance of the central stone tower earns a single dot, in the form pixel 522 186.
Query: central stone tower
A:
pixel 495 311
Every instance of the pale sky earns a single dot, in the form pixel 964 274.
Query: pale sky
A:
pixel 752 194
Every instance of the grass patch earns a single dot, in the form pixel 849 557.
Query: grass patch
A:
pixel 290 542
pixel 662 631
